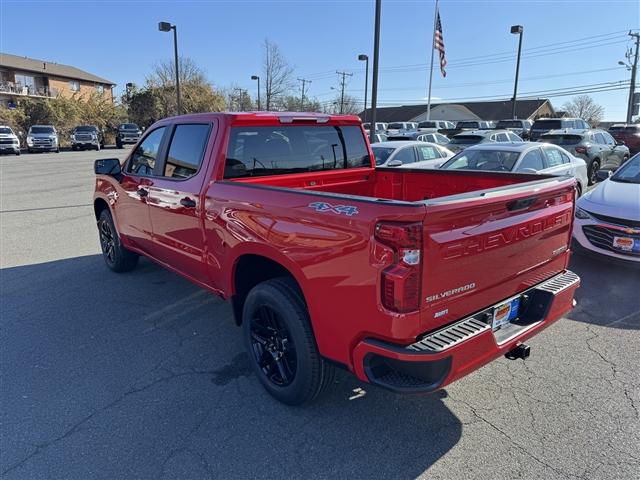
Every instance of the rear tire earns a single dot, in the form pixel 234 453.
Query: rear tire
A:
pixel 118 144
pixel 117 258
pixel 594 166
pixel 280 343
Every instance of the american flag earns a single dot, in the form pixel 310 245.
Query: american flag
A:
pixel 438 44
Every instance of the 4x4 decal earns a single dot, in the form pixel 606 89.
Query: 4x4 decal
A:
pixel 347 210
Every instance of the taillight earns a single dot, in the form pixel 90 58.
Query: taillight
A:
pixel 401 281
pixel 582 150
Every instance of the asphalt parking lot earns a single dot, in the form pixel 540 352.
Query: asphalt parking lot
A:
pixel 143 375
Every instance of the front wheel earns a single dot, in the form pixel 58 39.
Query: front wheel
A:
pixel 593 168
pixel 281 345
pixel 117 258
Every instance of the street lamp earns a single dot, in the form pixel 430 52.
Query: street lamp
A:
pixel 365 58
pixel 516 30
pixel 167 27
pixel 256 77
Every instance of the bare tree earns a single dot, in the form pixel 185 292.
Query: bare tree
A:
pixel 583 106
pixel 163 74
pixel 348 105
pixel 277 73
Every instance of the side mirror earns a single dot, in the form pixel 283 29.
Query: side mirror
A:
pixel 394 163
pixel 107 166
pixel 602 175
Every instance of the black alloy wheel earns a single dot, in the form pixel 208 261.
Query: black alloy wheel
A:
pixel 107 241
pixel 272 347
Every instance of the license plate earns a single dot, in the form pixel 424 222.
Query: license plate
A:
pixel 626 244
pixel 505 313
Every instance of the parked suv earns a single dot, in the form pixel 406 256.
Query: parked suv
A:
pixel 87 136
pixel 544 125
pixel 629 134
pixel 43 138
pixel 522 128
pixel 466 139
pixel 596 147
pixel 9 141
pixel 435 126
pixel 400 127
pixel 127 133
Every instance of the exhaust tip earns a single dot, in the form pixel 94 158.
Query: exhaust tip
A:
pixel 521 351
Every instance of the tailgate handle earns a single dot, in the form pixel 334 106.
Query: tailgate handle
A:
pixel 521 204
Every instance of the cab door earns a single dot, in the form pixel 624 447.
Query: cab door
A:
pixel 175 200
pixel 131 208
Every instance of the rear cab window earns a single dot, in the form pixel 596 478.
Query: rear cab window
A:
pixel 260 151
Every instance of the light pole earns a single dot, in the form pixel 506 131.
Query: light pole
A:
pixel 516 29
pixel 256 77
pixel 374 80
pixel 167 27
pixel 365 58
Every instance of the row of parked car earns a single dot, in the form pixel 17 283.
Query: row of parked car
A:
pixel 45 138
pixel 597 149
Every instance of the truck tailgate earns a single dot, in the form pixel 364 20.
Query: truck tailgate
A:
pixel 483 247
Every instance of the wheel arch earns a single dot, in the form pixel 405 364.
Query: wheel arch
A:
pixel 249 268
pixel 99 204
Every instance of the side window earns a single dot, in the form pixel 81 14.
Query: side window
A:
pixel 600 139
pixel 554 158
pixel 143 160
pixel 427 153
pixel 502 137
pixel 406 155
pixel 608 139
pixel 186 150
pixel 441 138
pixel 513 137
pixel 532 159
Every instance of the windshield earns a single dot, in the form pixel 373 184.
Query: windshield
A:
pixel 561 139
pixel 468 125
pixel 487 160
pixel 85 129
pixel 466 139
pixel 5 131
pixel 382 154
pixel 129 126
pixel 629 172
pixel 41 130
pixel 395 126
pixel 547 124
pixel 509 124
pixel 427 125
pixel 257 151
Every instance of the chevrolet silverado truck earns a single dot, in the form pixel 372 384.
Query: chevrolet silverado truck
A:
pixel 87 136
pixel 127 133
pixel 410 279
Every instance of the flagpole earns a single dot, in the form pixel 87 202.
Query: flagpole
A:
pixel 433 38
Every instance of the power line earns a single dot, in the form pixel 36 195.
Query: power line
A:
pixel 343 82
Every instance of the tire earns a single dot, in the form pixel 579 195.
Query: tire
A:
pixel 18 152
pixel 29 150
pixel 98 148
pixel 578 190
pixel 57 150
pixel 117 258
pixel 276 325
pixel 118 144
pixel 594 166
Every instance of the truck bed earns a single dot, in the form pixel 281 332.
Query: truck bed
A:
pixel 395 184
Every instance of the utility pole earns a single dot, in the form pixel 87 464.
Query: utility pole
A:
pixel 374 80
pixel 343 83
pixel 304 82
pixel 240 98
pixel 634 68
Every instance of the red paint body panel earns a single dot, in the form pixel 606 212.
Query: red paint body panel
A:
pixel 472 233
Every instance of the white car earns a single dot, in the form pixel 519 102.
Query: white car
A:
pixel 9 141
pixel 607 219
pixel 438 138
pixel 524 157
pixel 396 128
pixel 410 154
pixel 435 125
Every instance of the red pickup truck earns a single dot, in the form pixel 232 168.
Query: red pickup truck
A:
pixel 410 279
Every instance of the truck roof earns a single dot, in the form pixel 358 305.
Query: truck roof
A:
pixel 253 118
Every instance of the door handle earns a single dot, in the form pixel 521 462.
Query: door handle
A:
pixel 187 202
pixel 143 192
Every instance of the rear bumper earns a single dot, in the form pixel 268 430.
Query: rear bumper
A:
pixel 443 356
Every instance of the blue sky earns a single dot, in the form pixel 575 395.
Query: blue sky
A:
pixel 566 44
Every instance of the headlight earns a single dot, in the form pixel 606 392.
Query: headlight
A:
pixel 582 214
pixel 16 141
pixel 29 140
